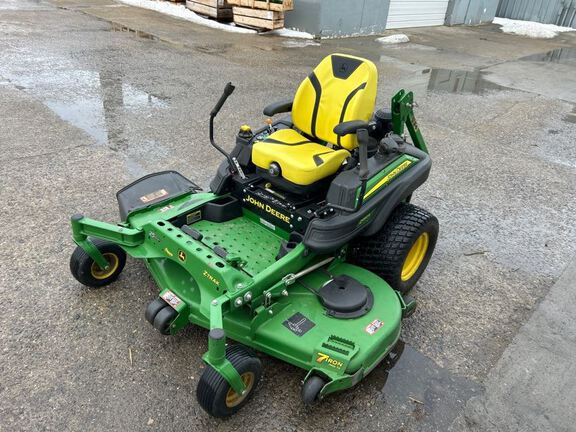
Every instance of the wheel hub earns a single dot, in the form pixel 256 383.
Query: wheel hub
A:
pixel 415 256
pixel 99 273
pixel 232 398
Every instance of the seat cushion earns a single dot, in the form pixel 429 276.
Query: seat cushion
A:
pixel 301 161
pixel 341 88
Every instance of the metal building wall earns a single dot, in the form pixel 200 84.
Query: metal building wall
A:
pixel 335 18
pixel 471 12
pixel 416 13
pixel 560 12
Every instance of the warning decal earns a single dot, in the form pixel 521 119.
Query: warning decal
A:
pixel 374 326
pixel 153 196
pixel 298 324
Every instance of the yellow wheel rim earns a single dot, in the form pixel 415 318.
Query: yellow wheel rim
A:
pixel 113 261
pixel 415 257
pixel 232 398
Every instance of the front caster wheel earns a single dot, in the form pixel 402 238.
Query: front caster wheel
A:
pixel 164 318
pixel 215 395
pixel 88 273
pixel 153 308
pixel 311 389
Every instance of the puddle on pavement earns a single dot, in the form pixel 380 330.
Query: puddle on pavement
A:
pixel 566 56
pixel 90 100
pixel 450 81
pixel 412 384
pixel 139 33
pixel 98 102
pixel 570 117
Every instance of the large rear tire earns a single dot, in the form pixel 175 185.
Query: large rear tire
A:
pixel 401 250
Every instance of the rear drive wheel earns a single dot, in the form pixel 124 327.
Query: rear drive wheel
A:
pixel 216 396
pixel 400 251
pixel 87 272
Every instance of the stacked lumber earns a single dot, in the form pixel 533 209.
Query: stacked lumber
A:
pixel 220 10
pixel 260 14
pixel 275 5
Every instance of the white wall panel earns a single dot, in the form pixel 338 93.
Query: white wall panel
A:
pixel 416 13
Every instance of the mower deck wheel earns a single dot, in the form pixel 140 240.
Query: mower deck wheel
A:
pixel 164 318
pixel 153 308
pixel 88 273
pixel 400 251
pixel 216 396
pixel 311 389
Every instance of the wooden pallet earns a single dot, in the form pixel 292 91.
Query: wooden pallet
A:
pixel 221 10
pixel 258 18
pixel 286 5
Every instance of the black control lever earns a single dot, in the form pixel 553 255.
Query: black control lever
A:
pixel 363 140
pixel 228 90
pixel 234 165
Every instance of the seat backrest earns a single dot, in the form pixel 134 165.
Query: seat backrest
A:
pixel 341 88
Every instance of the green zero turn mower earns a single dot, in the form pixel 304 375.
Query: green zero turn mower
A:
pixel 305 247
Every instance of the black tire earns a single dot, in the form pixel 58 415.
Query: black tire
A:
pixel 386 252
pixel 213 389
pixel 153 308
pixel 311 389
pixel 164 318
pixel 88 273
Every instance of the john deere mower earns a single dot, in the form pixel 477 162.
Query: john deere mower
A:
pixel 305 247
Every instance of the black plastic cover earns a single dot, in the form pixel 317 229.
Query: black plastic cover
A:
pixel 345 297
pixel 278 107
pixel 153 189
pixel 328 235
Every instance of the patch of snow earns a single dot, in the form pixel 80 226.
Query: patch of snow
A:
pixel 180 11
pixel 291 33
pixel 530 28
pixel 394 39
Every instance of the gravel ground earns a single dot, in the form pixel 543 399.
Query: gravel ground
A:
pixel 86 109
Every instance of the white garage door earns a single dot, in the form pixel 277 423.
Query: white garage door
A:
pixel 416 13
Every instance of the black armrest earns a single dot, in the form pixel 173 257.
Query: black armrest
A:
pixel 346 128
pixel 278 107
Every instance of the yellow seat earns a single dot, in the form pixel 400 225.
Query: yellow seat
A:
pixel 341 88
pixel 302 161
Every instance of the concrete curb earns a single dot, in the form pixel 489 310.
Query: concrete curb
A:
pixel 533 385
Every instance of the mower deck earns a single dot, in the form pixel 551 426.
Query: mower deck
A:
pixel 302 333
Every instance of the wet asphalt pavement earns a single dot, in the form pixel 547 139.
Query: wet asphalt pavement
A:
pixel 94 94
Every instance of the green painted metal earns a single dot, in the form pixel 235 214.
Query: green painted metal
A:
pixel 226 369
pixel 216 355
pixel 256 245
pixel 252 299
pixel 83 227
pixel 403 114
